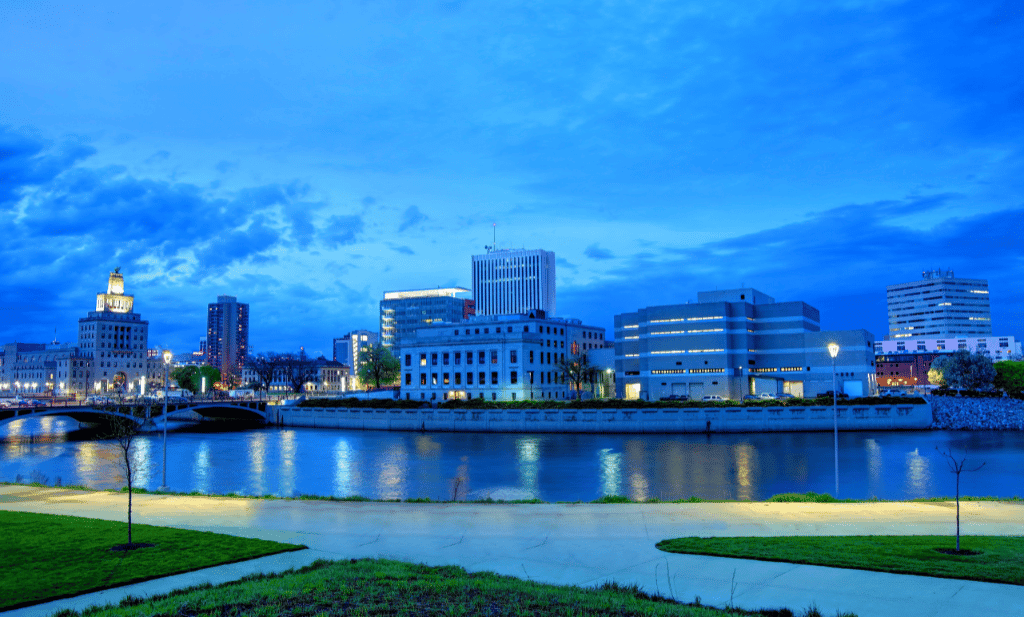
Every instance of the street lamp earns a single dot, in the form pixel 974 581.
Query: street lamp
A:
pixel 833 350
pixel 167 364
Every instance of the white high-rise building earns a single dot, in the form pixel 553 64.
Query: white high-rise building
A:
pixel 514 281
pixel 938 306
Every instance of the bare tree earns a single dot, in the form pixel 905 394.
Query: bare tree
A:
pixel 957 467
pixel 124 431
pixel 577 370
pixel 298 370
pixel 266 367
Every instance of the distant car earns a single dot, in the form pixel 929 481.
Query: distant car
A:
pixel 712 397
pixel 784 395
pixel 828 394
pixel 766 397
pixel 751 397
pixel 674 397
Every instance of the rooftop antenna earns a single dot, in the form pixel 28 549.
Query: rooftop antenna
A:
pixel 55 336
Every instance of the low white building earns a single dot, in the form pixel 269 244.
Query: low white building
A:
pixel 998 347
pixel 495 357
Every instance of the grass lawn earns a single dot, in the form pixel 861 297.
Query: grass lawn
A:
pixel 384 587
pixel 1000 558
pixel 48 556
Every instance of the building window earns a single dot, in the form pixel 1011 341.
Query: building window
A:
pixel 481 357
pixel 469 379
pixel 458 379
pixel 494 396
pixel 458 357
pixel 509 330
pixel 408 359
pixel 487 330
pixel 513 377
pixel 423 359
pixel 433 379
pixel 433 359
pixel 483 378
pixel 445 358
pixel 494 356
pixel 408 379
pixel 469 357
pixel 513 356
pixel 446 380
pixel 526 328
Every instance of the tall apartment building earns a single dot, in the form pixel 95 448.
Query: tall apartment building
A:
pixel 494 357
pixel 402 312
pixel 116 339
pixel 939 306
pixel 733 343
pixel 347 348
pixel 511 282
pixel 227 335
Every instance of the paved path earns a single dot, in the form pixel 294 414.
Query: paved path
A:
pixel 583 544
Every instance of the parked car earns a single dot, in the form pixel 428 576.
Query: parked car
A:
pixel 784 395
pixel 828 394
pixel 764 396
pixel 675 397
pixel 751 397
pixel 712 397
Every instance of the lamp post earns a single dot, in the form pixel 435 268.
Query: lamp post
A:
pixel 167 364
pixel 833 350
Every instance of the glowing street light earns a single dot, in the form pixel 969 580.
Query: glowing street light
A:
pixel 833 350
pixel 167 364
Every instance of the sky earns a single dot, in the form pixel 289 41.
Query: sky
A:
pixel 307 157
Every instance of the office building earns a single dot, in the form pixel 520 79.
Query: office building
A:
pixel 514 281
pixel 733 343
pixel 347 348
pixel 494 357
pixel 999 348
pixel 939 306
pixel 227 335
pixel 116 339
pixel 402 312
pixel 57 369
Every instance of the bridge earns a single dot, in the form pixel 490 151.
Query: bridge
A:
pixel 222 410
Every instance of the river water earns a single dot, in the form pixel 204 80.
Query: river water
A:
pixel 285 461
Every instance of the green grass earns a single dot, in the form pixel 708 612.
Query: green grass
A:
pixel 49 556
pixel 1001 558
pixel 384 587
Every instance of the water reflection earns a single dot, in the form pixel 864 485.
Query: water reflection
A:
pixel 393 464
pixel 918 475
pixel 552 467
pixel 286 479
pixel 528 455
pixel 611 471
pixel 257 463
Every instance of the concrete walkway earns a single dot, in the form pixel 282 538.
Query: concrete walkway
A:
pixel 584 544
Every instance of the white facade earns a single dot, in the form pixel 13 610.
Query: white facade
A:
pixel 939 306
pixel 495 358
pixel 116 339
pixel 510 282
pixel 347 348
pixel 999 347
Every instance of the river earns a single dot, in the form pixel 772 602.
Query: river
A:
pixel 209 458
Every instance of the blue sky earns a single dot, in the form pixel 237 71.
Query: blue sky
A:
pixel 306 159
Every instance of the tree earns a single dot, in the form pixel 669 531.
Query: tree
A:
pixel 577 370
pixel 1009 376
pixel 377 365
pixel 957 467
pixel 298 370
pixel 266 367
pixel 963 370
pixel 191 377
pixel 123 431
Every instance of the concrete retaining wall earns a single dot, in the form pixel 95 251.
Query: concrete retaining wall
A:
pixel 656 420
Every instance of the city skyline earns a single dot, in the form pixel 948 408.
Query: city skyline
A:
pixel 309 159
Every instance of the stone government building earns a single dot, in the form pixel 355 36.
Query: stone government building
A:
pixel 111 355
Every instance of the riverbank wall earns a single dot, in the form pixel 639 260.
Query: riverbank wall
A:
pixel 644 420
pixel 977 414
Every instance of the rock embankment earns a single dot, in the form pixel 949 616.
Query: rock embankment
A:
pixel 974 414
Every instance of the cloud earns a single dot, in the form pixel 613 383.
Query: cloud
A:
pixel 595 252
pixel 342 230
pixel 159 156
pixel 27 160
pixel 411 217
pixel 564 263
pixel 225 166
pixel 403 250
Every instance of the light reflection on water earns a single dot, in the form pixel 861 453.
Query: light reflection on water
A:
pixel 552 467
